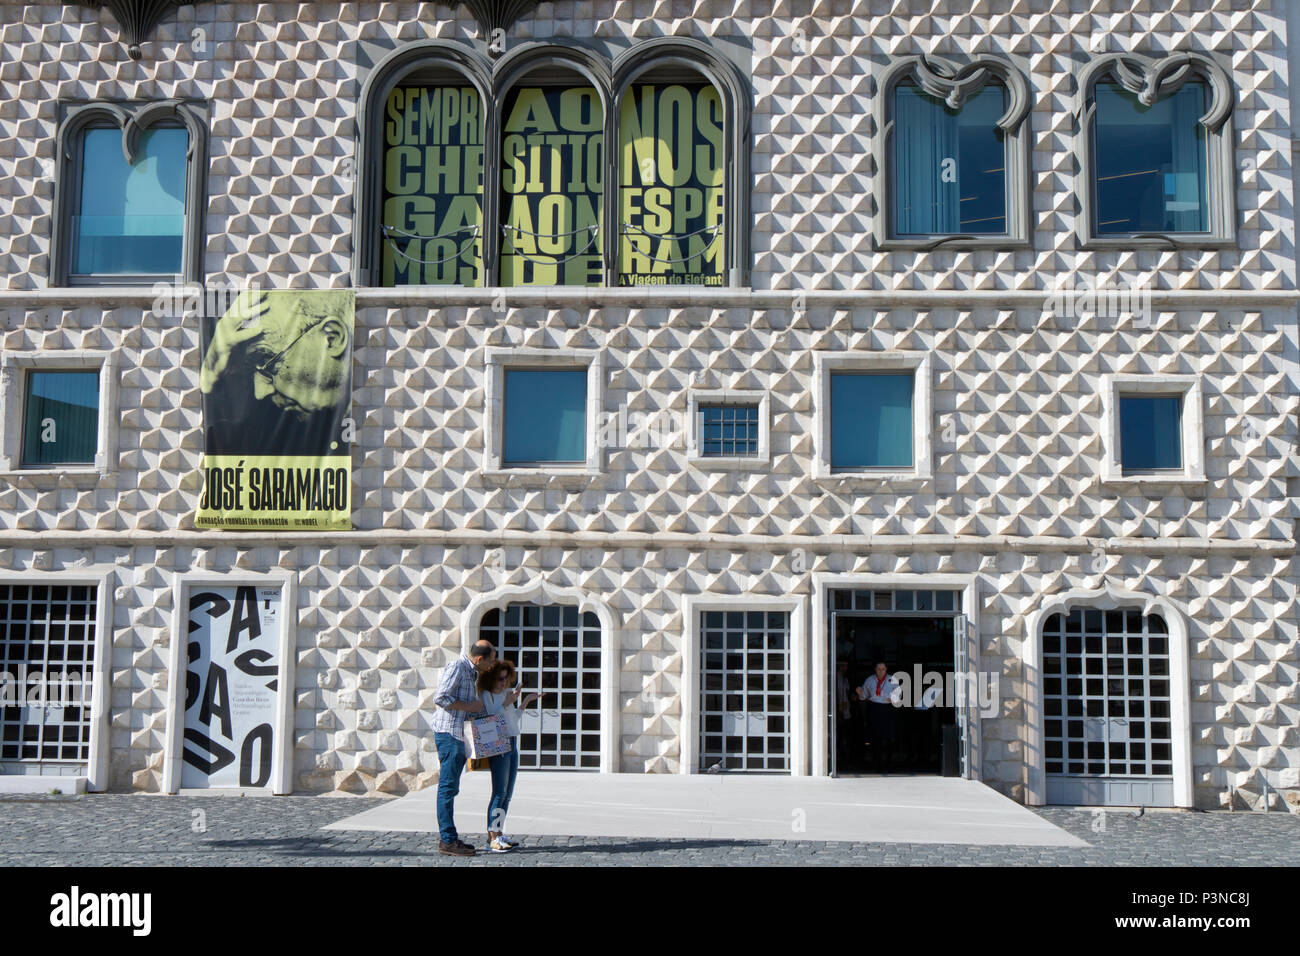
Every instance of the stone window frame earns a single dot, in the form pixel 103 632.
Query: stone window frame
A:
pixel 955 82
pixel 133 118
pixel 695 397
pixel 98 764
pixel 1151 78
pixel 693 605
pixel 1109 598
pixel 14 368
pixel 282 760
pixel 920 364
pixel 496 362
pixel 1192 426
pixel 493 81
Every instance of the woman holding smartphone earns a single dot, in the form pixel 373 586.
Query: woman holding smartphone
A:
pixel 499 691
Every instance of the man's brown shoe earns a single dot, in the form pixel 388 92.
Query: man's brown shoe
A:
pixel 456 849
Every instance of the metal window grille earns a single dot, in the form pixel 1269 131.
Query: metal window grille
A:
pixel 47 655
pixel 728 431
pixel 1106 694
pixel 745 681
pixel 897 601
pixel 557 650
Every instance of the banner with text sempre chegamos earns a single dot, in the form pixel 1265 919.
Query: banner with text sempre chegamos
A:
pixel 276 380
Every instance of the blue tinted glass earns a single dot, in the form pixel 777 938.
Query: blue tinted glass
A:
pixel 61 418
pixel 933 196
pixel 1151 161
pixel 131 219
pixel 1150 432
pixel 545 416
pixel 871 420
pixel 728 431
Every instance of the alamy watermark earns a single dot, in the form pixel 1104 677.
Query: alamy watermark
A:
pixel 1105 300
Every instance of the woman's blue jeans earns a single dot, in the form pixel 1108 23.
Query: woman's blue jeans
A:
pixel 504 769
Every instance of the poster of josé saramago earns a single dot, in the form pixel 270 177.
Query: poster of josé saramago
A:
pixel 276 381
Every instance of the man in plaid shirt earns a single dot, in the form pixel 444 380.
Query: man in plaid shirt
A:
pixel 457 698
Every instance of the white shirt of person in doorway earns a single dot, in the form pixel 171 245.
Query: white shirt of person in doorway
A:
pixel 881 688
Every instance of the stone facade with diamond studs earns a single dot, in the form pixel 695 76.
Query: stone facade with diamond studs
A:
pixel 1018 500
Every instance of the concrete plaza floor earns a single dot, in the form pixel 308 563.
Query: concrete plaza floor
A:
pixel 894 809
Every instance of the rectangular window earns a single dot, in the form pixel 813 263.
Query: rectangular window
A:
pixel 545 417
pixel 130 217
pixel 60 418
pixel 949 165
pixel 728 431
pixel 1151 432
pixel 1151 161
pixel 871 420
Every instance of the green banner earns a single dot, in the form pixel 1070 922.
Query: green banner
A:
pixel 276 380
pixel 552 162
pixel 432 187
pixel 671 196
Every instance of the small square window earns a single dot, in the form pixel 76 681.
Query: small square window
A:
pixel 871 420
pixel 60 418
pixel 1151 432
pixel 545 416
pixel 728 431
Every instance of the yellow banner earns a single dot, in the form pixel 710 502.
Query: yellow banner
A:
pixel 270 491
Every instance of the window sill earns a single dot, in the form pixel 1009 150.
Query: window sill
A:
pixel 1165 241
pixel 1130 482
pixel 76 476
pixel 1000 243
pixel 728 463
pixel 907 479
pixel 539 477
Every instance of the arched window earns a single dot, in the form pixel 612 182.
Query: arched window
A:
pixel 553 159
pixel 423 154
pixel 130 192
pixel 1156 152
pixel 954 144
pixel 552 167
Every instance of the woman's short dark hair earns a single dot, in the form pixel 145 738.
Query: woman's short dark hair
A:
pixel 489 678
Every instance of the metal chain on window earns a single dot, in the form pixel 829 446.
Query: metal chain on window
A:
pixel 505 231
pixel 694 255
pixel 389 232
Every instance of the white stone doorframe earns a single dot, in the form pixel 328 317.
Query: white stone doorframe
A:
pixel 1108 599
pixel 99 577
pixel 823 584
pixel 542 592
pixel 689 694
pixel 282 759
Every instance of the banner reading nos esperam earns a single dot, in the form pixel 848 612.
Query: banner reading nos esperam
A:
pixel 276 379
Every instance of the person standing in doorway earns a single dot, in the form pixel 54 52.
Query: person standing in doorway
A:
pixel 882 722
pixel 457 697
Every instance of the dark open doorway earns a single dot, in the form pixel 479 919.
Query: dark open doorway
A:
pixel 925 728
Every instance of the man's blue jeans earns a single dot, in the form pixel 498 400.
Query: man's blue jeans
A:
pixel 505 769
pixel 451 761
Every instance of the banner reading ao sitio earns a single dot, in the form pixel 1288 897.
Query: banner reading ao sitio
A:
pixel 276 380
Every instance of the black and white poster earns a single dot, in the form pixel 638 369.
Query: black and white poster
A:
pixel 232 693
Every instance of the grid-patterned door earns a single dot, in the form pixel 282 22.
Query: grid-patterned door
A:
pixel 1108 727
pixel 557 650
pixel 745 691
pixel 47 656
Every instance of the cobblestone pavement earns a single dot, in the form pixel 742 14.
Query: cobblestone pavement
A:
pixel 139 830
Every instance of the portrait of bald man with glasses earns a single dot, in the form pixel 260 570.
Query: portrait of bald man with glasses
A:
pixel 276 374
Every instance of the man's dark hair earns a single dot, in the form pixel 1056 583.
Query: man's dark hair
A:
pixel 482 649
